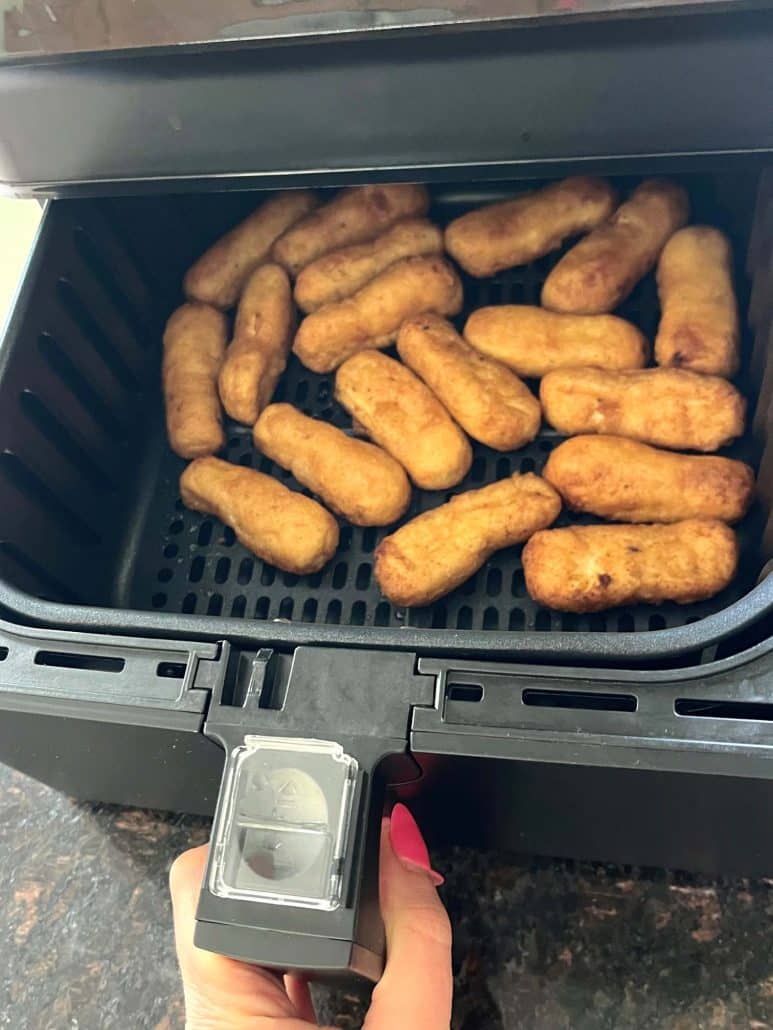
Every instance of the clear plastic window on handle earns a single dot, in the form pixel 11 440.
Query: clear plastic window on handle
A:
pixel 283 822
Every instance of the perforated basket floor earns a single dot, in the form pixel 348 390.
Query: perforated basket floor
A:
pixel 191 563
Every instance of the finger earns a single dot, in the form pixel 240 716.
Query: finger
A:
pixel 221 991
pixel 416 988
pixel 299 994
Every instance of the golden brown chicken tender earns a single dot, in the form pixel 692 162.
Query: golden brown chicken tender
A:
pixel 699 326
pixel 371 317
pixel 628 481
pixel 600 271
pixel 590 568
pixel 258 352
pixel 342 272
pixel 487 400
pixel 282 527
pixel 668 407
pixel 194 343
pixel 357 214
pixel 356 479
pixel 435 552
pixel 405 418
pixel 514 232
pixel 533 342
pixel 219 275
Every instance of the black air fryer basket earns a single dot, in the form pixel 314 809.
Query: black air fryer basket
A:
pixel 140 639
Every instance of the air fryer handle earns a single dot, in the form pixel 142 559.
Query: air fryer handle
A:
pixel 265 900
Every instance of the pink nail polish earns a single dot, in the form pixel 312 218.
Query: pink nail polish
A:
pixel 408 843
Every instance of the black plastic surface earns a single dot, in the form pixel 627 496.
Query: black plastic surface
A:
pixel 715 825
pixel 111 719
pixel 679 777
pixel 129 756
pixel 493 768
pixel 40 666
pixel 315 688
pixel 94 516
pixel 460 103
pixel 711 719
pixel 37 28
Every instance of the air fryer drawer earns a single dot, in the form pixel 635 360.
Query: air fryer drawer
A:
pixel 92 529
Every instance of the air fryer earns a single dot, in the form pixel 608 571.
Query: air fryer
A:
pixel 149 659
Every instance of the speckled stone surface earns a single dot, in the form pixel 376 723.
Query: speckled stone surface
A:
pixel 86 940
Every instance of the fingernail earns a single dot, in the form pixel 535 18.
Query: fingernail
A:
pixel 408 843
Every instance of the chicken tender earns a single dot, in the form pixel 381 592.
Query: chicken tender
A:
pixel 342 272
pixel 194 343
pixel 668 407
pixel 258 352
pixel 517 231
pixel 699 327
pixel 600 271
pixel 629 481
pixel 401 415
pixel 435 552
pixel 371 317
pixel 219 275
pixel 357 214
pixel 486 399
pixel 282 527
pixel 590 568
pixel 533 342
pixel 356 479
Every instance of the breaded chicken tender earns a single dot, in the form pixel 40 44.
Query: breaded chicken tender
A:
pixel 282 527
pixel 600 271
pixel 219 275
pixel 405 418
pixel 435 552
pixel 194 343
pixel 533 342
pixel 668 407
pixel 515 232
pixel 371 317
pixel 699 327
pixel 629 481
pixel 257 355
pixel 487 400
pixel 590 568
pixel 356 479
pixel 357 214
pixel 342 272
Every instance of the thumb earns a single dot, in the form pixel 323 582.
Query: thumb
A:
pixel 222 992
pixel 416 988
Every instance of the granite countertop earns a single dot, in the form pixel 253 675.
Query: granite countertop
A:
pixel 86 939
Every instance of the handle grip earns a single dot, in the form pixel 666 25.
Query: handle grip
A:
pixel 292 876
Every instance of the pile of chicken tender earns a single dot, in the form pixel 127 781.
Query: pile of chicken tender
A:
pixel 368 270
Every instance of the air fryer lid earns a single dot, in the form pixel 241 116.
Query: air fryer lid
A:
pixel 251 97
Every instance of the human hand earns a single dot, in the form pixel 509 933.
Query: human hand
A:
pixel 414 992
